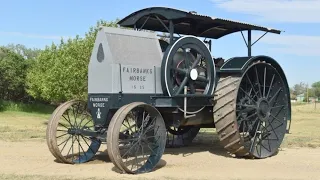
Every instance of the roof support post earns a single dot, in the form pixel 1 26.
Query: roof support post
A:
pixel 171 30
pixel 249 43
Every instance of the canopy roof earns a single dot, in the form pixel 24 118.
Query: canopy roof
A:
pixel 188 23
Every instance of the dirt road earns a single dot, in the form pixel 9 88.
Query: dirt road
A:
pixel 200 161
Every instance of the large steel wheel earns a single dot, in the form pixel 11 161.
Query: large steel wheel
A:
pixel 136 138
pixel 252 111
pixel 188 62
pixel 64 138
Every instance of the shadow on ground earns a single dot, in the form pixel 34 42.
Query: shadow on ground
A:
pixel 204 142
pixel 162 163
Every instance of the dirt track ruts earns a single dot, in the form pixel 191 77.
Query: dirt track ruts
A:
pixel 199 161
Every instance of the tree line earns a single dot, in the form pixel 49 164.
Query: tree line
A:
pixel 53 75
pixel 58 72
pixel 305 90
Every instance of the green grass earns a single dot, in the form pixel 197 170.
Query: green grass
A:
pixel 305 125
pixel 22 107
pixel 19 122
pixel 20 126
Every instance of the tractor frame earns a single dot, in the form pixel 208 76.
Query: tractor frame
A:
pixel 240 97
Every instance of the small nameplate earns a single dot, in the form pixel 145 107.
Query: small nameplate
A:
pixel 137 79
pixel 98 101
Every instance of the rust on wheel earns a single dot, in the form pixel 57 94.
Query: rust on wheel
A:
pixel 136 138
pixel 251 111
pixel 63 135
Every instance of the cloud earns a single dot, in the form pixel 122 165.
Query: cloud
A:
pixel 301 45
pixel 294 11
pixel 280 11
pixel 28 35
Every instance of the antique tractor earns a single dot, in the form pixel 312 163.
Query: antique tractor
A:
pixel 142 88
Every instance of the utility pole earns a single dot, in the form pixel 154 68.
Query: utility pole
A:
pixel 307 93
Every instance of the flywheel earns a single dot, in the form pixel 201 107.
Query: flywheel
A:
pixel 188 62
pixel 251 111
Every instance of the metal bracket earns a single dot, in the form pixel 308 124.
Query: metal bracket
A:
pixel 249 44
pixel 185 105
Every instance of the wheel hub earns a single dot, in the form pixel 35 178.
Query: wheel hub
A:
pixel 263 109
pixel 74 131
pixel 194 74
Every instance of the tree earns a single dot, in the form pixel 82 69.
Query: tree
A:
pixel 13 69
pixel 316 88
pixel 60 71
pixel 298 89
pixel 27 53
pixel 292 95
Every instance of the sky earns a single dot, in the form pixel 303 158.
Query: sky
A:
pixel 296 49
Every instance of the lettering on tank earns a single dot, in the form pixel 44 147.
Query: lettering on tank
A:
pixel 137 79
pixel 138 74
pixel 98 102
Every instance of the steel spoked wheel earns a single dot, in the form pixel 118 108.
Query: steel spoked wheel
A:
pixel 257 125
pixel 64 133
pixel 188 62
pixel 262 110
pixel 136 138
